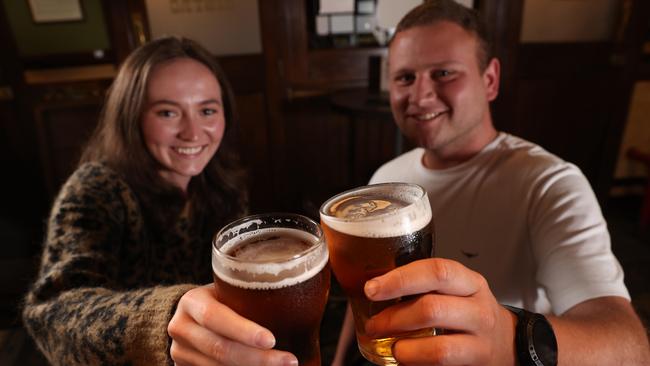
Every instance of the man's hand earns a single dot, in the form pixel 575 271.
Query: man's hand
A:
pixel 206 332
pixel 478 331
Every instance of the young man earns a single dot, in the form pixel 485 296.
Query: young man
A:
pixel 515 224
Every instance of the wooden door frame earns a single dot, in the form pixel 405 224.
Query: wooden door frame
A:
pixel 629 55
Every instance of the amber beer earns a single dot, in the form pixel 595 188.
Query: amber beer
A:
pixel 273 269
pixel 371 230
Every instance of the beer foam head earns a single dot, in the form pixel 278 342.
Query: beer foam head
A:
pixel 269 258
pixel 270 249
pixel 378 210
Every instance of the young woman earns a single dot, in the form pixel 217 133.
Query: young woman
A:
pixel 129 236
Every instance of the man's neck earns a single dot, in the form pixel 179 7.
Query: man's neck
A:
pixel 451 155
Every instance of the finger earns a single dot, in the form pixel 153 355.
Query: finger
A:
pixel 432 310
pixel 448 350
pixel 209 347
pixel 183 355
pixel 422 276
pixel 220 319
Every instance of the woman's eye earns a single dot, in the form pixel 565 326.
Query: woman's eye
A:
pixel 209 111
pixel 166 113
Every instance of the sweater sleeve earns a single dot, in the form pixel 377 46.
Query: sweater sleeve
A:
pixel 77 311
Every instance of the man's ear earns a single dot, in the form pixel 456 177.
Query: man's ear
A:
pixel 491 78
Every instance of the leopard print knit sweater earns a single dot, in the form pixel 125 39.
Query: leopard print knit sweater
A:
pixel 108 285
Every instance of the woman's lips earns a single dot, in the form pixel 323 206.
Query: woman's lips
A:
pixel 189 151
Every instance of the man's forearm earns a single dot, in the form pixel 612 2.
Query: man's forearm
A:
pixel 603 331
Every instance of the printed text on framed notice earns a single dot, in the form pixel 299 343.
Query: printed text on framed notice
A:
pixel 52 11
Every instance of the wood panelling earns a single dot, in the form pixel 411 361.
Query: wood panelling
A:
pixel 254 148
pixel 330 150
pixel 317 147
pixel 245 72
pixel 309 142
pixel 63 128
pixel 567 117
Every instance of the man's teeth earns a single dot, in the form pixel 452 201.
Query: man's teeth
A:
pixel 188 150
pixel 428 116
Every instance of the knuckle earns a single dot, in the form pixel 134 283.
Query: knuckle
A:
pixel 174 352
pixel 174 328
pixel 220 350
pixel 267 359
pixel 203 314
pixel 440 271
pixel 487 319
pixel 188 297
pixel 481 281
pixel 401 280
pixel 442 354
pixel 431 309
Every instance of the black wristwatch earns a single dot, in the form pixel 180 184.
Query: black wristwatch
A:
pixel 534 339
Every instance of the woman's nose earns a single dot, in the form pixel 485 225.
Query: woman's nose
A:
pixel 190 128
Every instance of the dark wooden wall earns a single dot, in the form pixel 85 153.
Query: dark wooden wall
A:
pixel 310 140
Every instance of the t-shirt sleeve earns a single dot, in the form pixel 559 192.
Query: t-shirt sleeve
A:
pixel 75 311
pixel 571 243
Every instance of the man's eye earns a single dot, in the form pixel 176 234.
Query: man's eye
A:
pixel 404 78
pixel 441 74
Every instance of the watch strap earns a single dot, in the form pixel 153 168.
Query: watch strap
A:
pixel 535 341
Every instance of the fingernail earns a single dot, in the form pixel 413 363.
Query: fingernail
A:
pixel 289 361
pixel 371 288
pixel 265 339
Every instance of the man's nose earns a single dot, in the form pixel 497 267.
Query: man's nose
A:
pixel 190 128
pixel 424 91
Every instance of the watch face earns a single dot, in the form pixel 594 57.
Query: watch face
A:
pixel 545 344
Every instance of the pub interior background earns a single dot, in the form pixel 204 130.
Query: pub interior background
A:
pixel 314 121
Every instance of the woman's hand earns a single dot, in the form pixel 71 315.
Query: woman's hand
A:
pixel 454 298
pixel 206 332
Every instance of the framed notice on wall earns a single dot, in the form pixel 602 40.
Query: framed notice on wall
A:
pixel 54 11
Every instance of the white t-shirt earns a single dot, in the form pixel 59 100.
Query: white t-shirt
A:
pixel 524 218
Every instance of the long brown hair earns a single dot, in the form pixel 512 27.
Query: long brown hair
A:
pixel 217 193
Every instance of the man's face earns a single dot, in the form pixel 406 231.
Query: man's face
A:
pixel 439 96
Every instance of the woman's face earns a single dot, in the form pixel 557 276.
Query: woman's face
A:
pixel 183 119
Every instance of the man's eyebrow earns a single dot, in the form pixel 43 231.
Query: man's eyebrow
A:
pixel 434 65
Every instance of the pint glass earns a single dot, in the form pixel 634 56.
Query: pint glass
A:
pixel 273 269
pixel 371 230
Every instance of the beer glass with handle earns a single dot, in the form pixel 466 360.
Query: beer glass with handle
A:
pixel 273 269
pixel 371 230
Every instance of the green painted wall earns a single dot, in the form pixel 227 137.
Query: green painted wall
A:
pixel 55 38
